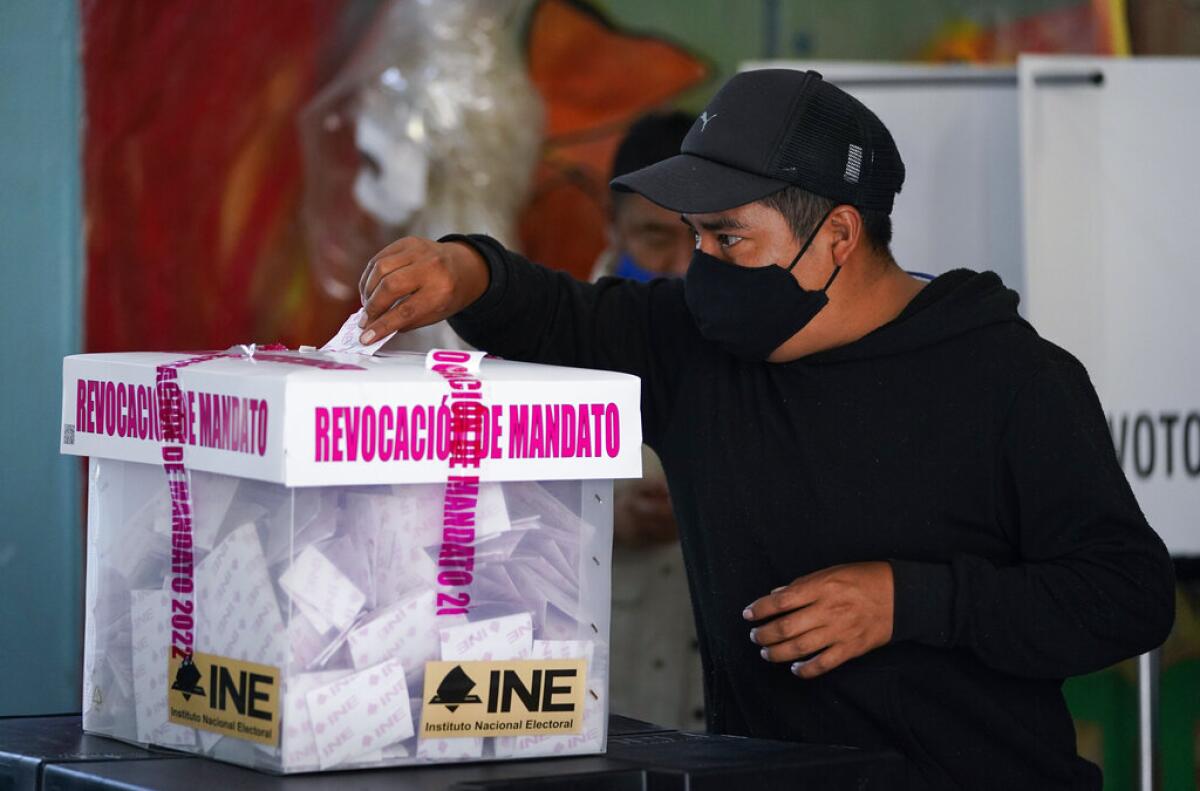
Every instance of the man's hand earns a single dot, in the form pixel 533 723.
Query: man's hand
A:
pixel 415 282
pixel 841 612
pixel 642 515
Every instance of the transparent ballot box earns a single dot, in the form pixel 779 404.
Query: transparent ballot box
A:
pixel 298 604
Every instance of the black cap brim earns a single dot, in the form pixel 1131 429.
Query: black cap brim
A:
pixel 690 184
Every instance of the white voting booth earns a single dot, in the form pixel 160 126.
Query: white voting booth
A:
pixel 1111 192
pixel 1111 198
pixel 1077 180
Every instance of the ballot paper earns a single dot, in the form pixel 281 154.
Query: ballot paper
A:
pixel 491 512
pixel 309 516
pixel 558 625
pixel 493 585
pixel 298 742
pixel 141 552
pixel 394 532
pixel 237 612
pixel 435 750
pixel 335 653
pixel 320 624
pixel 347 337
pixel 498 548
pixel 119 660
pixel 348 557
pixel 322 591
pixel 506 637
pixel 360 713
pixel 404 631
pixel 305 642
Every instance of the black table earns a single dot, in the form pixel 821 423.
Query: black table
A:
pixel 52 753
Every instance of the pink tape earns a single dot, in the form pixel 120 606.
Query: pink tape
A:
pixel 174 434
pixel 456 555
pixel 174 438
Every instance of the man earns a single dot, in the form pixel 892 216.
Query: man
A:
pixel 903 519
pixel 654 665
pixel 645 240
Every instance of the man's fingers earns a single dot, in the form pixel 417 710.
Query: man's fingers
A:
pixel 799 594
pixel 651 505
pixel 810 642
pixel 394 277
pixel 413 312
pixel 395 285
pixel 384 264
pixel 370 275
pixel 788 627
pixel 823 662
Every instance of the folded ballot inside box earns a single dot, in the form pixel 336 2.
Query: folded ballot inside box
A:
pixel 309 561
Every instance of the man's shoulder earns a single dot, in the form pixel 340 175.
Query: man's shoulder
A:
pixel 1010 354
pixel 1014 357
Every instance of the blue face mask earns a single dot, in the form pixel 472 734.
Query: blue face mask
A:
pixel 627 268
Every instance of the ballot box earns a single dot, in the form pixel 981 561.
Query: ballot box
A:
pixel 306 561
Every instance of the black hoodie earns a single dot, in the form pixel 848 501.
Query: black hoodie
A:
pixel 952 441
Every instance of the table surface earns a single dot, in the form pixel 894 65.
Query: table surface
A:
pixel 53 753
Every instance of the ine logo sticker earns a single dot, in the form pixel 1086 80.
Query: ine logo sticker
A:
pixel 526 696
pixel 225 696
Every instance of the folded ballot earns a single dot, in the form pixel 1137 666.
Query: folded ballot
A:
pixel 327 560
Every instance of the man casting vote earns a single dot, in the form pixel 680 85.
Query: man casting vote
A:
pixel 902 515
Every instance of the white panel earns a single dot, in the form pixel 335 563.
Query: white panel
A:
pixel 1112 198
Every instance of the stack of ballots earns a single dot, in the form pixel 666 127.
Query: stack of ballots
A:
pixel 316 560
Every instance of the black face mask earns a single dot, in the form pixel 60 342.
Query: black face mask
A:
pixel 751 311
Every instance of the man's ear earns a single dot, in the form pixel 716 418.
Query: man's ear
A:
pixel 846 229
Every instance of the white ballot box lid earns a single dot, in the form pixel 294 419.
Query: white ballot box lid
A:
pixel 324 419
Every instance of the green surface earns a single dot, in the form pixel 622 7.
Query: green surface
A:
pixel 1108 700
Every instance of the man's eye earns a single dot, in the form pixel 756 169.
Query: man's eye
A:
pixel 726 240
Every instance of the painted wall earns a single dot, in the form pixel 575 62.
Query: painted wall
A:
pixel 729 32
pixel 40 275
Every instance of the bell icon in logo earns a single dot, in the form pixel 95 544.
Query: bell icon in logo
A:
pixel 454 689
pixel 705 118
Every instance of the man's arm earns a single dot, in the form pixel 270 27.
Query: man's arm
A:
pixel 1094 585
pixel 500 302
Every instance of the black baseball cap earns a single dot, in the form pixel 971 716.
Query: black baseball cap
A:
pixel 769 129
